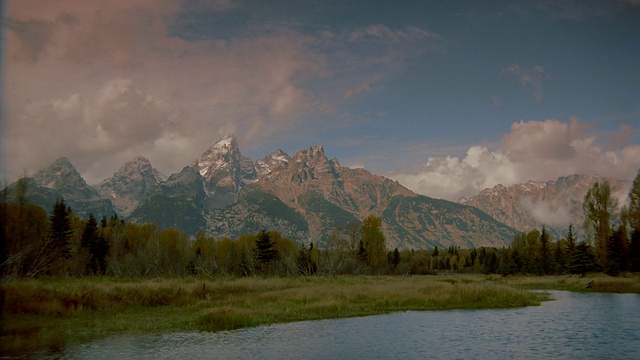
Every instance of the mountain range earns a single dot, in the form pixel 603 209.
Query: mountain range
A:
pixel 554 204
pixel 304 197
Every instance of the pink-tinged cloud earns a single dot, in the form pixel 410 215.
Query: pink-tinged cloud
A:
pixel 533 150
pixel 361 88
pixel 533 77
pixel 495 101
pixel 101 82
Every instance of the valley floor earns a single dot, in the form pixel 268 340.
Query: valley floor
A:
pixel 49 314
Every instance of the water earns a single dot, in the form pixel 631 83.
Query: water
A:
pixel 574 326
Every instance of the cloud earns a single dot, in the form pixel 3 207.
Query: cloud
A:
pixel 382 32
pixel 581 10
pixel 623 137
pixel 88 126
pixel 101 82
pixel 532 77
pixel 533 150
pixel 556 214
pixel 32 36
pixel 360 88
pixel 104 82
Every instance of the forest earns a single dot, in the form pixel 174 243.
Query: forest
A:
pixel 35 244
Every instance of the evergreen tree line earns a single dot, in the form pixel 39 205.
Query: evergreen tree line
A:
pixel 61 244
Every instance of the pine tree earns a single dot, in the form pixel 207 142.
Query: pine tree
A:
pixel 89 242
pixel 59 233
pixel 96 245
pixel 571 242
pixel 545 263
pixel 265 252
pixel 582 259
pixel 395 258
pixel 615 253
pixel 634 204
pixel 634 251
pixel 560 257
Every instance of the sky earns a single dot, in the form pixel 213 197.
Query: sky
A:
pixel 446 97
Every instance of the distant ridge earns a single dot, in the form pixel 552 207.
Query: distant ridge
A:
pixel 554 204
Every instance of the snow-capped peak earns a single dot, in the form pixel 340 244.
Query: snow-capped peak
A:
pixel 224 145
pixel 271 162
pixel 223 165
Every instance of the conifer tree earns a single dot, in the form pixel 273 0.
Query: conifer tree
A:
pixel 545 263
pixel 615 253
pixel 634 251
pixel 59 233
pixel 265 252
pixel 582 260
pixel 96 246
pixel 571 243
pixel 634 204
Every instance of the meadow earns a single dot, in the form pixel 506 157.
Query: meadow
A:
pixel 49 314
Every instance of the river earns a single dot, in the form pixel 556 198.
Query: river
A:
pixel 573 326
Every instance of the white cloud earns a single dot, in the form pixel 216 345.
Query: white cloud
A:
pixel 533 150
pixel 556 214
pixel 533 77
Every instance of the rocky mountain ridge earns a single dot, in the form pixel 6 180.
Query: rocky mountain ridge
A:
pixel 305 197
pixel 132 182
pixel 62 180
pixel 554 204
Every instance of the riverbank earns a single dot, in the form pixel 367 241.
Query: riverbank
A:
pixel 54 313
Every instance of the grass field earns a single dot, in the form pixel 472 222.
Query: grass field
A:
pixel 49 314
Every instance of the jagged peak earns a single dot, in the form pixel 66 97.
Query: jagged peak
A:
pixel 280 156
pixel 60 172
pixel 226 144
pixel 140 159
pixel 138 163
pixel 218 155
pixel 62 162
pixel 61 165
pixel 311 152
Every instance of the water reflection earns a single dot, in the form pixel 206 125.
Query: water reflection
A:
pixel 577 326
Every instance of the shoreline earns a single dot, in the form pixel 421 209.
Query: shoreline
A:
pixel 50 314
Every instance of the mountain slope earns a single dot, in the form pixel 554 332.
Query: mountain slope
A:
pixel 178 203
pixel 135 180
pixel 328 195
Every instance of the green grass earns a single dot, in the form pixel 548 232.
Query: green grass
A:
pixel 54 313
pixel 599 283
